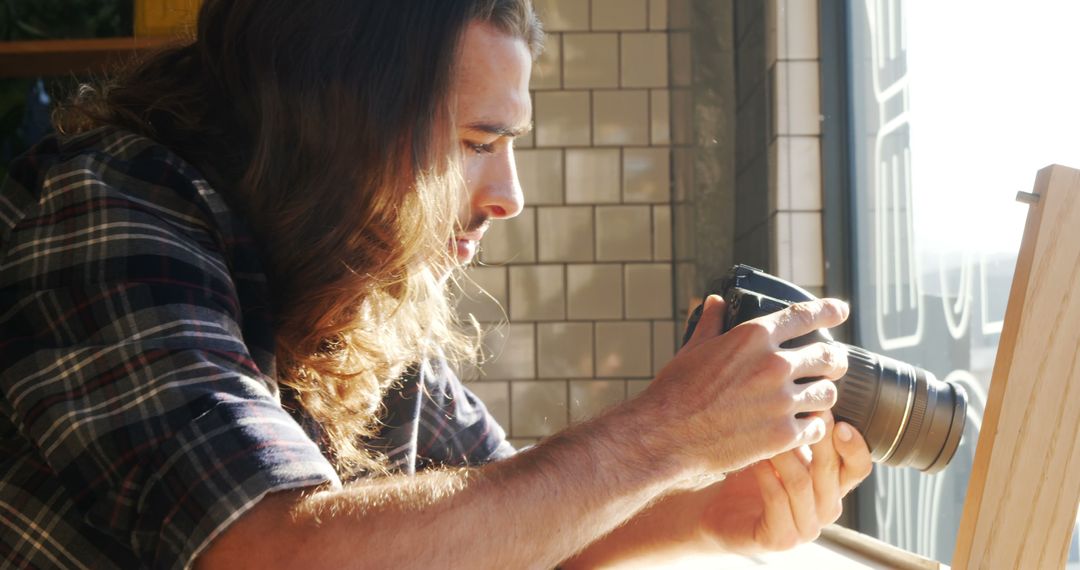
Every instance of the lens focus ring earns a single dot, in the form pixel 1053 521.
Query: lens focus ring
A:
pixel 858 388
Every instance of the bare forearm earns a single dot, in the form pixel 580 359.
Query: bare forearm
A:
pixel 533 510
pixel 724 402
pixel 668 528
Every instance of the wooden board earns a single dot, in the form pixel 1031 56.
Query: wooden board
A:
pixel 837 549
pixel 61 57
pixel 1024 489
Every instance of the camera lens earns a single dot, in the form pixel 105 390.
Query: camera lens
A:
pixel 908 417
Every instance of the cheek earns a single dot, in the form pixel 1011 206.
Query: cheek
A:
pixel 472 168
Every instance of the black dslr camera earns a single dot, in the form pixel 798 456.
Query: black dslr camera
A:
pixel 908 417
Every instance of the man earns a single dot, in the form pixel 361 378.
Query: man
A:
pixel 283 220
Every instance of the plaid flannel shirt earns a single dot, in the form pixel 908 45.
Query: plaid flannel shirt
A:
pixel 139 414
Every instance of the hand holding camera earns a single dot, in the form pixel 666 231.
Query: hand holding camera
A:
pixel 908 417
pixel 736 393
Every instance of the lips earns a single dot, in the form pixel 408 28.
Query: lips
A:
pixel 464 246
pixel 475 235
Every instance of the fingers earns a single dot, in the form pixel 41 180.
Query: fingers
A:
pixel 816 396
pixel 825 471
pixel 779 532
pixel 854 456
pixel 818 360
pixel 810 429
pixel 809 488
pixel 799 485
pixel 711 322
pixel 802 318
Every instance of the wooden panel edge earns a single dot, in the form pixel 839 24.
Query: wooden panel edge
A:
pixel 973 504
pixel 61 57
pixel 886 554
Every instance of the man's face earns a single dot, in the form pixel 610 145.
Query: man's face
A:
pixel 493 107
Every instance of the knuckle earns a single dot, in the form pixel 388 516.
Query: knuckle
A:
pixel 836 359
pixel 828 357
pixel 776 365
pixel 817 397
pixel 753 332
pixel 784 433
pixel 829 393
pixel 803 312
pixel 829 311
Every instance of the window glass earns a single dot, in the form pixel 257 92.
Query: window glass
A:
pixel 955 106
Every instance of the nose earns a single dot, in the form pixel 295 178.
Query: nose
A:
pixel 498 193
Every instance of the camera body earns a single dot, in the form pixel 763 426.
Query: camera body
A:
pixel 906 415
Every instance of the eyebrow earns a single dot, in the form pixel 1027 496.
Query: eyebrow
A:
pixel 500 130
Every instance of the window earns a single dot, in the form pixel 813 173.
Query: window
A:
pixel 953 107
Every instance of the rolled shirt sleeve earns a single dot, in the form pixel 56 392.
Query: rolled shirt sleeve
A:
pixel 141 425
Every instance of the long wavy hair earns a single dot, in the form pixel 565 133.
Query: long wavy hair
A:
pixel 328 126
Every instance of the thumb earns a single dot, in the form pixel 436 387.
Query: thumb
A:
pixel 854 454
pixel 711 323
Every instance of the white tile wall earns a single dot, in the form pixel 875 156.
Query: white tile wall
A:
pixel 797 162
pixel 565 349
pixel 623 233
pixel 560 15
pixel 621 117
pixel 648 291
pixel 547 70
pixel 807 263
pixel 590 397
pixel 509 352
pixel 620 15
pixel 661 233
pixel 541 174
pixel 680 59
pixel 794 156
pixel 660 117
pixel 590 60
pixel 658 17
pixel 592 175
pixel 484 294
pixel 562 118
pixel 585 273
pixel 793 25
pixel 666 337
pixel 565 233
pixel 644 60
pixel 647 175
pixel 496 398
pixel 594 291
pixel 582 271
pixel 797 99
pixel 537 293
pixel 538 408
pixel 624 349
pixel 511 241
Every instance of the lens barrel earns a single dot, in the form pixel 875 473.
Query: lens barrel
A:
pixel 908 417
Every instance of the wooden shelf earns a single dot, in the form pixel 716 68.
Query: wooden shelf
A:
pixel 62 57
